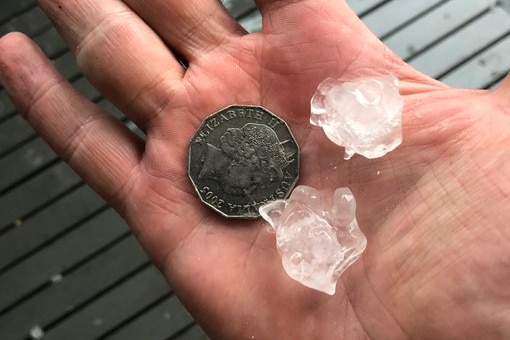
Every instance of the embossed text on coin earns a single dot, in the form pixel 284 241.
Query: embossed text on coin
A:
pixel 242 157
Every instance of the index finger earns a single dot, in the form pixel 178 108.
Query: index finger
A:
pixel 120 54
pixel 105 153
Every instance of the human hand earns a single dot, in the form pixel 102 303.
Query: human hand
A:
pixel 435 211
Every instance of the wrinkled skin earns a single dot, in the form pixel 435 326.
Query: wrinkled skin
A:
pixel 437 216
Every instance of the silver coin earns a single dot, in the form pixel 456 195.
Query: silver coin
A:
pixel 242 157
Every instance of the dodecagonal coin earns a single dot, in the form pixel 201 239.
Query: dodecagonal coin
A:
pixel 242 157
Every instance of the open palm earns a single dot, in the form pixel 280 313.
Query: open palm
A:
pixel 436 211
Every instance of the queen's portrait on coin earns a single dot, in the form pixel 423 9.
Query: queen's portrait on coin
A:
pixel 247 158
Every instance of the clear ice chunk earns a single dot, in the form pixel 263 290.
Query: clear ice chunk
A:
pixel 364 115
pixel 317 237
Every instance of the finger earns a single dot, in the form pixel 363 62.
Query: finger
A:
pixel 193 28
pixel 103 151
pixel 119 54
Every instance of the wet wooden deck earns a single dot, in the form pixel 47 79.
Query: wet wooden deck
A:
pixel 69 267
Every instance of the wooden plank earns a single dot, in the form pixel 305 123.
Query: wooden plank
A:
pixel 83 86
pixel 31 23
pixel 14 131
pixel 362 6
pixel 25 161
pixel 48 224
pixel 193 333
pixel 252 22
pixel 66 64
pixel 429 28
pixel 6 106
pixel 505 5
pixel 484 69
pixel 396 13
pixel 462 45
pixel 111 108
pixel 51 43
pixel 160 322
pixel 237 8
pixel 35 192
pixel 114 307
pixel 10 8
pixel 63 254
pixel 75 289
